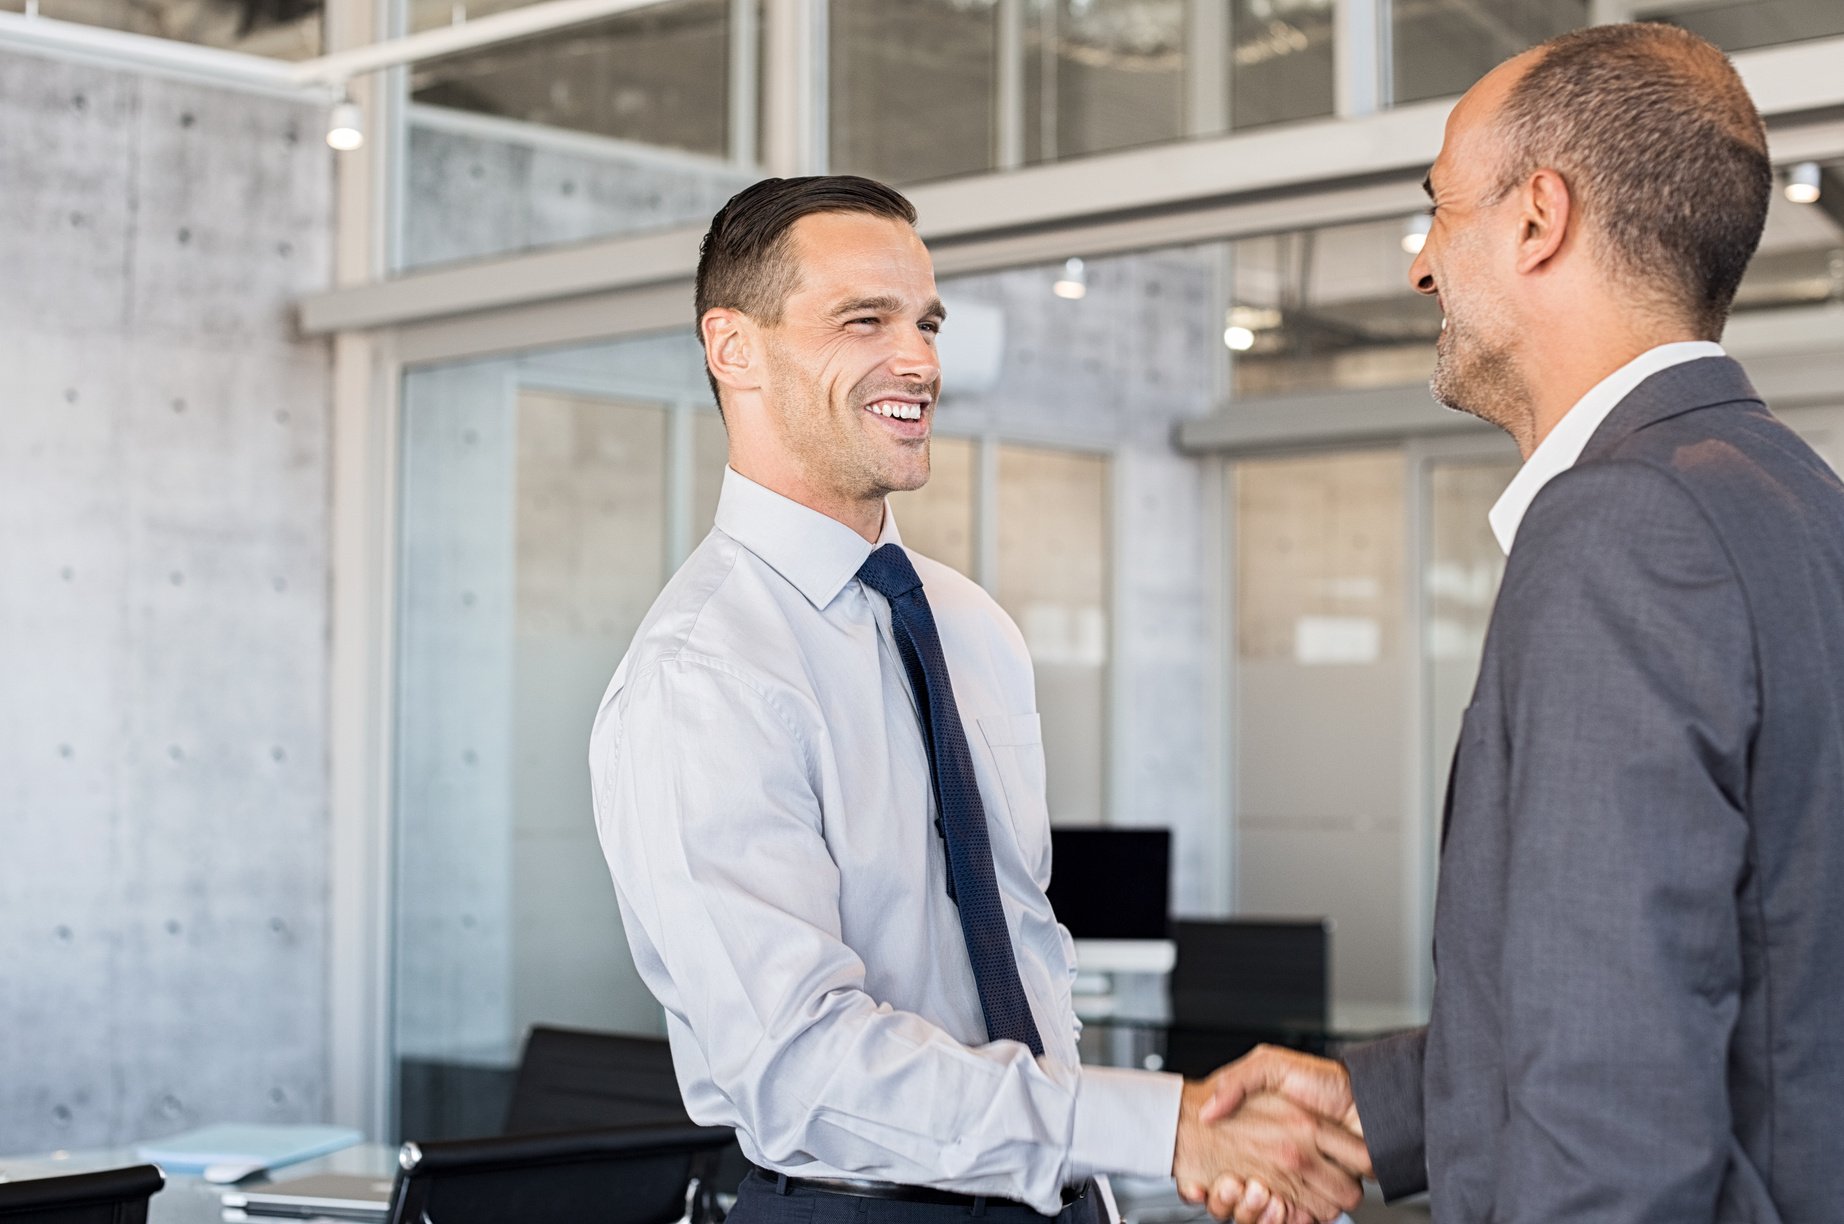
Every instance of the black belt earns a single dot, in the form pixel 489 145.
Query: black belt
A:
pixel 976 1203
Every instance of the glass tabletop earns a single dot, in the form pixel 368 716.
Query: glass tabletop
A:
pixel 187 1197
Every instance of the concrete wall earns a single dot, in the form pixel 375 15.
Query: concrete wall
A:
pixel 163 607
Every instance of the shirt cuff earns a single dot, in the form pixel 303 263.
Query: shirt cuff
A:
pixel 1126 1122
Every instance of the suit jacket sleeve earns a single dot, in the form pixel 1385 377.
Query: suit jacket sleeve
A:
pixel 1631 698
pixel 1386 1080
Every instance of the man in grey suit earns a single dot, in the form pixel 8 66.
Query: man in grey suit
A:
pixel 1639 940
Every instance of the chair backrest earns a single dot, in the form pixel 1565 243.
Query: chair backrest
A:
pixel 111 1196
pixel 626 1175
pixel 569 1079
pixel 1248 973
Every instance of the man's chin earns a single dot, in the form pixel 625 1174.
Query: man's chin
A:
pixel 906 482
pixel 1449 399
pixel 905 477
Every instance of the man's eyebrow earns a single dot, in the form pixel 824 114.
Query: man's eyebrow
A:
pixel 1427 183
pixel 885 305
pixel 868 305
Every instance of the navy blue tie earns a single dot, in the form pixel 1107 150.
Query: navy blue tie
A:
pixel 971 881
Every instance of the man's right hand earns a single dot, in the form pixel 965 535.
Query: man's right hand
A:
pixel 1316 1085
pixel 1309 1162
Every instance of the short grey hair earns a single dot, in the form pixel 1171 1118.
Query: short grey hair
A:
pixel 1664 154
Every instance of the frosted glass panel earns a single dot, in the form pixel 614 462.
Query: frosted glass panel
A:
pixel 1741 24
pixel 1281 61
pixel 590 557
pixel 1443 46
pixel 941 120
pixel 710 452
pixel 1053 574
pixel 937 519
pixel 534 533
pixel 1320 732
pixel 1102 75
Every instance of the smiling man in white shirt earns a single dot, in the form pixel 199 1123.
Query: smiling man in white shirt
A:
pixel 818 782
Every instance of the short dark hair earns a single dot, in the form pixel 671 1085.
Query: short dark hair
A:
pixel 746 261
pixel 1662 149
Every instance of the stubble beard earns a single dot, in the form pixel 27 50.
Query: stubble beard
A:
pixel 1474 375
pixel 883 469
pixel 835 445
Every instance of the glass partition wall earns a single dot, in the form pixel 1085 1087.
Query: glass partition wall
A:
pixel 547 496
pixel 544 499
pixel 649 119
pixel 985 84
pixel 1206 636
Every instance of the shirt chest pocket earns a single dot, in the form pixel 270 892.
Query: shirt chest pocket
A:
pixel 1015 746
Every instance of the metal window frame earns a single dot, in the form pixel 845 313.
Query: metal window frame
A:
pixel 362 615
pixel 1301 175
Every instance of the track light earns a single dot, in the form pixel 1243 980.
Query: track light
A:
pixel 1415 233
pixel 346 126
pixel 1073 284
pixel 1244 322
pixel 1802 183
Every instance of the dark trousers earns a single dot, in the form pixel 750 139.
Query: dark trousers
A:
pixel 760 1201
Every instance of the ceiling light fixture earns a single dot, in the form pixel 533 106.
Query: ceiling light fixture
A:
pixel 346 126
pixel 1415 233
pixel 1802 183
pixel 1073 284
pixel 1239 339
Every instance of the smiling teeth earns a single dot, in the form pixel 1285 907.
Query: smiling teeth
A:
pixel 897 410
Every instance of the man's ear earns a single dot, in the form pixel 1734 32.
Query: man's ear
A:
pixel 1545 209
pixel 732 348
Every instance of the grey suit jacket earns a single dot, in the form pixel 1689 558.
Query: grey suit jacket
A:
pixel 1639 937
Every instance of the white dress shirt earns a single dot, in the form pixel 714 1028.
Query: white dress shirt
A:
pixel 763 799
pixel 1558 451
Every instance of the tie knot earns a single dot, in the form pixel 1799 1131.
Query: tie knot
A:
pixel 888 572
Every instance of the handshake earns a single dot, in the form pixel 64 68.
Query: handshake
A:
pixel 1272 1138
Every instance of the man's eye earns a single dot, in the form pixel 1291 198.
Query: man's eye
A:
pixel 868 319
pixel 931 326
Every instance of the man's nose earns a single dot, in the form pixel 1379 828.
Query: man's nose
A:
pixel 1421 276
pixel 916 359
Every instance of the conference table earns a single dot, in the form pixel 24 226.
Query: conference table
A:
pixel 188 1198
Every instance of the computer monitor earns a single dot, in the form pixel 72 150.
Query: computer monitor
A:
pixel 1109 883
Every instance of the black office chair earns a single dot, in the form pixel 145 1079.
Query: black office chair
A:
pixel 569 1079
pixel 112 1196
pixel 626 1175
pixel 1240 983
pixel 572 1079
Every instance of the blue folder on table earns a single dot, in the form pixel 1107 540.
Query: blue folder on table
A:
pixel 240 1143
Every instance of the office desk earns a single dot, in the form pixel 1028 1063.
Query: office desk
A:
pixel 1197 1050
pixel 187 1198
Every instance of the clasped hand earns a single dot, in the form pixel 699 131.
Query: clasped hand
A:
pixel 1272 1138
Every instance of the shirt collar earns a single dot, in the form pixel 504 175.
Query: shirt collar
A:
pixel 1558 451
pixel 816 553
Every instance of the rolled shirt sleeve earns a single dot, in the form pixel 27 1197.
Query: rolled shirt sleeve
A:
pixel 710 821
